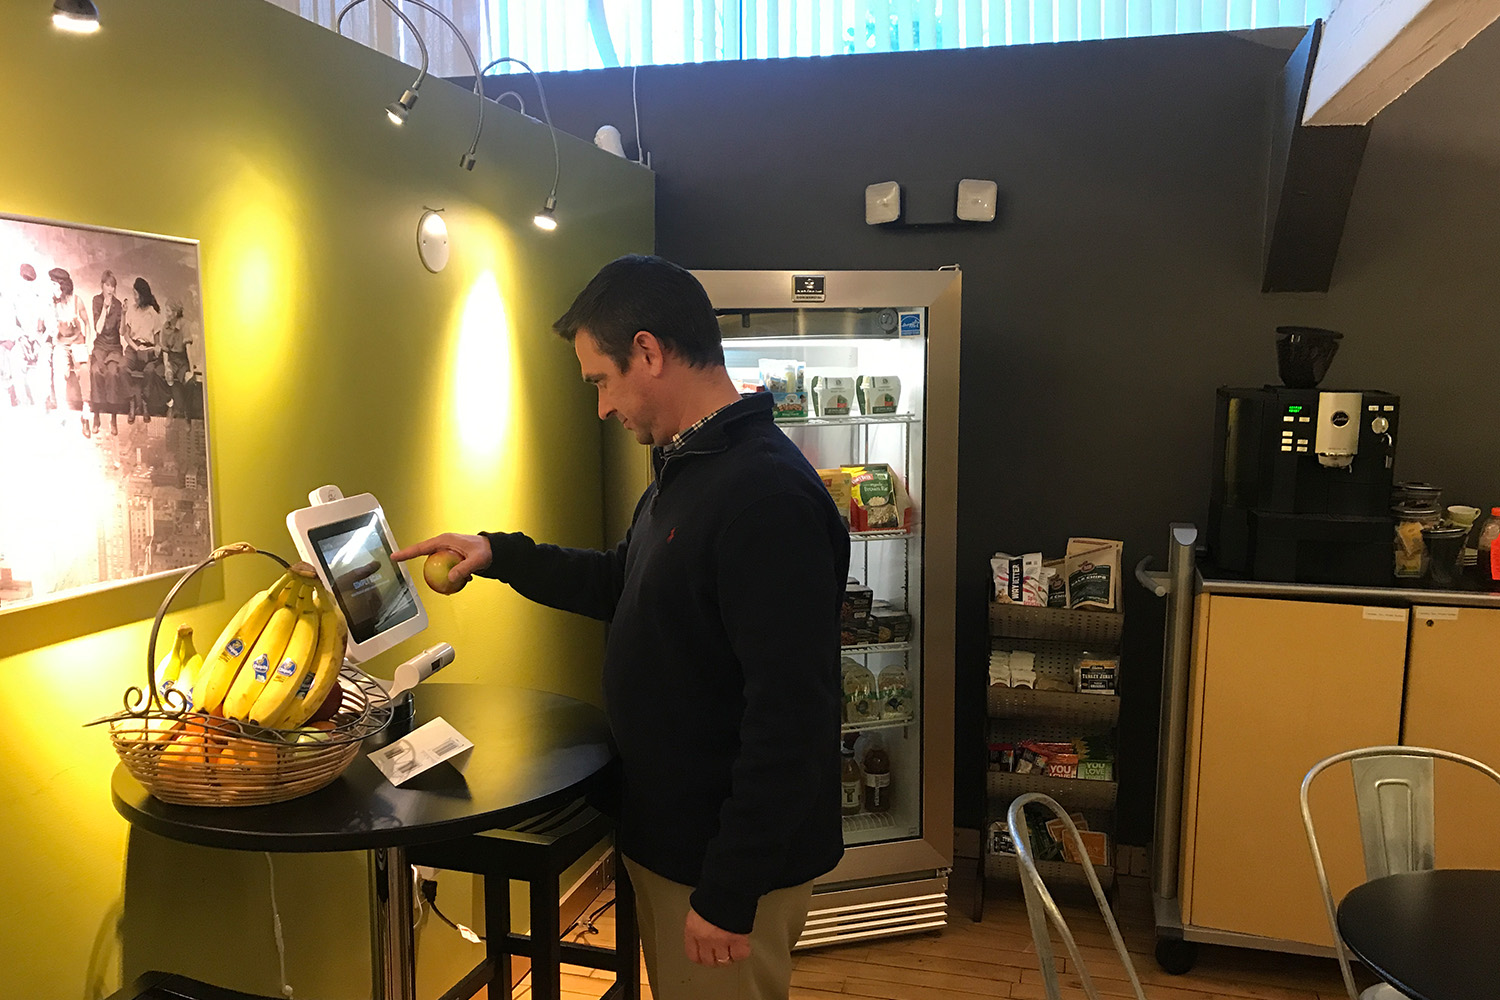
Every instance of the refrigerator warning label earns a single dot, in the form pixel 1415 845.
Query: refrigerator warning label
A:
pixel 911 324
pixel 807 288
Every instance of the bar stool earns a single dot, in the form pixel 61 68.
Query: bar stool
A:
pixel 537 852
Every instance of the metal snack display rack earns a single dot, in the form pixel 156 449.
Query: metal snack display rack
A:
pixel 227 762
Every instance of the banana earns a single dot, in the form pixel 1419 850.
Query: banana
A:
pixel 171 664
pixel 265 655
pixel 296 663
pixel 179 669
pixel 313 690
pixel 230 650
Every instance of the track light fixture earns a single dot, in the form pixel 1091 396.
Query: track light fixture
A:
pixel 398 111
pixel 545 219
pixel 80 16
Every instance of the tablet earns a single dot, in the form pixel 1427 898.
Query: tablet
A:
pixel 350 543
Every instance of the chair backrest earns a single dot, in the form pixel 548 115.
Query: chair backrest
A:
pixel 1393 792
pixel 1041 907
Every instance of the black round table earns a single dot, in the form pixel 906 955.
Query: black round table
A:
pixel 533 750
pixel 1433 935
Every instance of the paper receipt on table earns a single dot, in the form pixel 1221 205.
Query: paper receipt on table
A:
pixel 419 750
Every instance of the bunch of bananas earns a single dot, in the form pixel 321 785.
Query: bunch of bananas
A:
pixel 276 662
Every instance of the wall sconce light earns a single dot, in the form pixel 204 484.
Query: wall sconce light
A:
pixel 545 219
pixel 398 111
pixel 976 200
pixel 79 16
pixel 432 240
pixel 882 203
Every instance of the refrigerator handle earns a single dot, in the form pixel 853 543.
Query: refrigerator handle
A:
pixel 1172 739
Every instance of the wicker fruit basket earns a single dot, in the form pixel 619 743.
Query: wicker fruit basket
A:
pixel 187 757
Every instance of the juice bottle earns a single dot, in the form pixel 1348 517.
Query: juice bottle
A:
pixel 877 780
pixel 1487 530
pixel 852 782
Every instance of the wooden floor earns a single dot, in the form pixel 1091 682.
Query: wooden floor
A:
pixel 995 958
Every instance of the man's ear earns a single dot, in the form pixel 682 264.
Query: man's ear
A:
pixel 649 352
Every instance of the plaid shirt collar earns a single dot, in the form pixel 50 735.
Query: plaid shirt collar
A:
pixel 682 437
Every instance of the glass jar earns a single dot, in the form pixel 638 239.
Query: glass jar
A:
pixel 1411 517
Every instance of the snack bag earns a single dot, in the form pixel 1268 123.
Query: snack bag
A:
pixel 1092 568
pixel 881 502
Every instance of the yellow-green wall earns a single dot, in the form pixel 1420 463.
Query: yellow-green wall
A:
pixel 332 357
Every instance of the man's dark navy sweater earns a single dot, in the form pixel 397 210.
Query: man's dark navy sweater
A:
pixel 721 668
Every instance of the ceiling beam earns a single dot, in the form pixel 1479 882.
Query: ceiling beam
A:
pixel 1373 51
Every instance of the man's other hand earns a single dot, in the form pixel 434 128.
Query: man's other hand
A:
pixel 475 550
pixel 712 946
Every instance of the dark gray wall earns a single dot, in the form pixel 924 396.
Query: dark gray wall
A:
pixel 1121 283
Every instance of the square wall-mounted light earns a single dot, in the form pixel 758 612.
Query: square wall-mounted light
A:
pixel 976 200
pixel 882 202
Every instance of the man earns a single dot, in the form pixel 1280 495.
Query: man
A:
pixel 721 666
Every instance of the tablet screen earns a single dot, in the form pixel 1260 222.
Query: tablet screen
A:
pixel 371 591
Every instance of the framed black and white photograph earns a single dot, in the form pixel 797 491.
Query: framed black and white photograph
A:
pixel 103 445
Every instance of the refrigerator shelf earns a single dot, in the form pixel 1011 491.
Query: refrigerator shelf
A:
pixel 877 536
pixel 865 727
pixel 868 823
pixel 874 418
pixel 877 647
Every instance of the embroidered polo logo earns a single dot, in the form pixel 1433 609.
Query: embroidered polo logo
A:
pixel 671 535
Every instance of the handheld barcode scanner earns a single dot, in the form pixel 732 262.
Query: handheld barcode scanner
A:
pixel 349 542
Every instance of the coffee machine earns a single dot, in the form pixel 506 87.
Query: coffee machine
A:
pixel 1302 478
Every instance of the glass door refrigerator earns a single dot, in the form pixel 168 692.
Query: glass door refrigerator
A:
pixel 864 365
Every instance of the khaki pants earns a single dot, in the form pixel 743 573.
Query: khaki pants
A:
pixel 661 909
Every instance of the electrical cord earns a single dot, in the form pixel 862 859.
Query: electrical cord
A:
pixel 427 889
pixel 635 104
pixel 286 987
pixel 588 921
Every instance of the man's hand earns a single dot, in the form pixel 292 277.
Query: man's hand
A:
pixel 712 946
pixel 475 550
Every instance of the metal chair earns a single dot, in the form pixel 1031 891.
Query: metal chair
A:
pixel 1040 906
pixel 1393 791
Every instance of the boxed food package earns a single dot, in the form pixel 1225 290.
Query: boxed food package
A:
pixel 1095 842
pixel 836 481
pixel 880 500
pixel 1000 668
pixel 1022 669
pixel 1002 757
pixel 1058 830
pixel 833 395
pixel 857 601
pixel 1096 770
pixel 783 379
pixel 1092 568
pixel 856 632
pixel 878 394
pixel 890 625
pixel 1097 674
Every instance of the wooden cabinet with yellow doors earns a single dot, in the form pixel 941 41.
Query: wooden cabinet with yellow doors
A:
pixel 1276 686
pixel 1453 703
